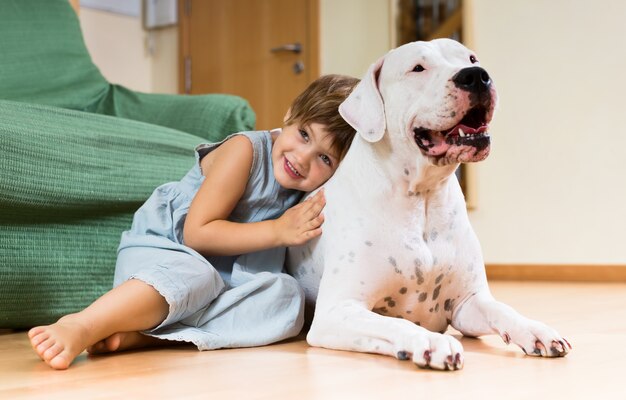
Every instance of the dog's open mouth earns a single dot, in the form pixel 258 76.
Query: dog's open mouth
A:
pixel 469 134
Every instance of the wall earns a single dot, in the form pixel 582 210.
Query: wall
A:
pixel 129 55
pixel 354 34
pixel 553 189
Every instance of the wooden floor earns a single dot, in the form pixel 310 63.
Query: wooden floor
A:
pixel 591 316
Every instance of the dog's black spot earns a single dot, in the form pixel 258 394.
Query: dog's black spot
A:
pixel 439 278
pixel 422 297
pixel 406 171
pixel 368 243
pixel 390 302
pixel 447 305
pixel 437 307
pixel 418 272
pixel 392 261
pixel 436 292
pixel 403 290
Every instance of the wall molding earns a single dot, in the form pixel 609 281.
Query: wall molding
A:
pixel 552 272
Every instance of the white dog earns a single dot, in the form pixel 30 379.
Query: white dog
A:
pixel 398 260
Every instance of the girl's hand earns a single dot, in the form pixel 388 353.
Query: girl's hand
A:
pixel 302 222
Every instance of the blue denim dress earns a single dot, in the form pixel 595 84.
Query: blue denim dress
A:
pixel 215 302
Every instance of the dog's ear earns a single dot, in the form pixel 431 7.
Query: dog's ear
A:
pixel 364 109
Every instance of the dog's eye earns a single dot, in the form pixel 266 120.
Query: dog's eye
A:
pixel 419 68
pixel 473 59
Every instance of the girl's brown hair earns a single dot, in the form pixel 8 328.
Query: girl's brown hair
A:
pixel 319 103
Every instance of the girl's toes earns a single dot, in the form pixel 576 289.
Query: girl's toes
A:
pixel 52 352
pixel 43 346
pixel 38 339
pixel 35 331
pixel 61 361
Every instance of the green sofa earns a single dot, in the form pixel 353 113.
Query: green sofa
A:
pixel 79 156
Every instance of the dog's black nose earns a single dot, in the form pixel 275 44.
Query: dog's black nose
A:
pixel 472 79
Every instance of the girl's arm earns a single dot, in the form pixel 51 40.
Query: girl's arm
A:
pixel 206 229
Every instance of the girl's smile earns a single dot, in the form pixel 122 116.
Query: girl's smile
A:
pixel 291 170
pixel 303 156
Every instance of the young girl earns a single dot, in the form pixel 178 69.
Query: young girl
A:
pixel 203 260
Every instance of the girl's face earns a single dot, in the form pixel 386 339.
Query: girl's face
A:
pixel 303 157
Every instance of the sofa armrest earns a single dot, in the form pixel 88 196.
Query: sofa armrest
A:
pixel 210 116
pixel 70 182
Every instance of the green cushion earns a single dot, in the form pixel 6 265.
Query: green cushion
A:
pixel 43 58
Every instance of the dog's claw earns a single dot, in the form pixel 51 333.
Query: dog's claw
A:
pixel 458 361
pixel 540 349
pixel 427 357
pixel 506 337
pixel 568 345
pixel 449 363
pixel 557 348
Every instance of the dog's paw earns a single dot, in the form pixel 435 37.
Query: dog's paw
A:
pixel 433 350
pixel 537 339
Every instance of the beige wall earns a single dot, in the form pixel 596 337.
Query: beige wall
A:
pixel 128 55
pixel 554 188
pixel 353 34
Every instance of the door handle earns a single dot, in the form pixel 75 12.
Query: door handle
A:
pixel 292 47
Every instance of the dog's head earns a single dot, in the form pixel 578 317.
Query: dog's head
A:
pixel 432 94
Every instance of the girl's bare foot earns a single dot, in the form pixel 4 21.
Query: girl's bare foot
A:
pixel 131 306
pixel 59 344
pixel 124 341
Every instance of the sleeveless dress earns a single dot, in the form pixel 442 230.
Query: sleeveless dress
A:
pixel 215 302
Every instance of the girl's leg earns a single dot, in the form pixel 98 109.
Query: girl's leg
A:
pixel 132 306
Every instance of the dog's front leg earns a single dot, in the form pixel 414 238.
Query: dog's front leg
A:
pixel 481 314
pixel 350 325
